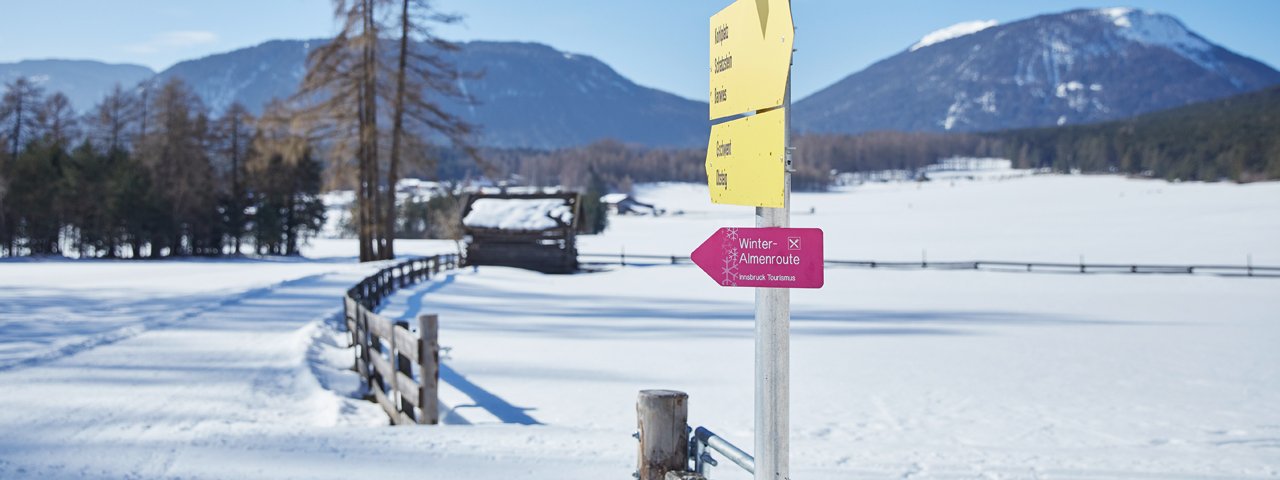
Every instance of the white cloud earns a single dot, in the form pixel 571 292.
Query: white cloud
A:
pixel 175 40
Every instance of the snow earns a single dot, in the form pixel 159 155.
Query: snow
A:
pixel 1119 15
pixel 239 370
pixel 1163 30
pixel 613 198
pixel 955 31
pixel 1159 30
pixel 955 112
pixel 518 214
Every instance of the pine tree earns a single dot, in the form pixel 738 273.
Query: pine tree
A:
pixel 17 127
pixel 234 134
pixel 284 184
pixel 175 154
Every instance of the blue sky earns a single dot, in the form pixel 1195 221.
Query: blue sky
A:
pixel 657 43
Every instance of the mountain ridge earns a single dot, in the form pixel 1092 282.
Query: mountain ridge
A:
pixel 83 81
pixel 1074 67
pixel 529 96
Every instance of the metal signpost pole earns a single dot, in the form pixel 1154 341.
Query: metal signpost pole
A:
pixel 773 345
pixel 751 44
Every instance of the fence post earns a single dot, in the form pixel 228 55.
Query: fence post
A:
pixel 365 344
pixel 662 417
pixel 429 366
pixel 402 365
pixel 346 320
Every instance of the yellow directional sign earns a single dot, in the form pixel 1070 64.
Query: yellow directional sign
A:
pixel 750 56
pixel 746 160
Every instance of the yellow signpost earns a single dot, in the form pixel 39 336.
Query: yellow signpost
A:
pixel 750 66
pixel 746 160
pixel 747 164
pixel 750 56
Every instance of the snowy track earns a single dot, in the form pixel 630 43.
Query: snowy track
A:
pixel 132 407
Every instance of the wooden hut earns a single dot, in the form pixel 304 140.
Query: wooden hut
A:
pixel 534 231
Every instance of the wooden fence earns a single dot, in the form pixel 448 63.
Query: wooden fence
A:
pixel 1247 270
pixel 387 352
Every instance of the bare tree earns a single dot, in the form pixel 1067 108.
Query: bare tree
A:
pixel 446 221
pixel 57 120
pixel 233 135
pixel 340 92
pixel 424 77
pixel 345 89
pixel 18 125
pixel 18 113
pixel 110 121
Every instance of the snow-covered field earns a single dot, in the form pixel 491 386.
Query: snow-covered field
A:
pixel 233 369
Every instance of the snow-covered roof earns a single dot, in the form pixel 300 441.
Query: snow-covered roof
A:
pixel 518 214
pixel 955 31
pixel 612 198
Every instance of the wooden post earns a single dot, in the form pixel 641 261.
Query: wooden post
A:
pixel 375 348
pixel 366 341
pixel 402 365
pixel 429 366
pixel 662 417
pixel 347 321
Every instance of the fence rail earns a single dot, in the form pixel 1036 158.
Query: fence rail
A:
pixel 626 259
pixel 386 352
pixel 704 440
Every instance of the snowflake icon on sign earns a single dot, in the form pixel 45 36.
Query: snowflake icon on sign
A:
pixel 730 248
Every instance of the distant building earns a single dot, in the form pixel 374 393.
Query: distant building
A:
pixel 953 164
pixel 533 231
pixel 625 204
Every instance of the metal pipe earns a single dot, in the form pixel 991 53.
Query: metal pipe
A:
pixel 723 447
pixel 773 342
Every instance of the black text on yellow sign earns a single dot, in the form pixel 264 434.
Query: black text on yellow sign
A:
pixel 746 161
pixel 751 44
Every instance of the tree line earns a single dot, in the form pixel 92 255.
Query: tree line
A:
pixel 149 173
pixel 1236 139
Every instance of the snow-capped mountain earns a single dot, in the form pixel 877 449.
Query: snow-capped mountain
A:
pixel 529 95
pixel 84 82
pixel 1075 67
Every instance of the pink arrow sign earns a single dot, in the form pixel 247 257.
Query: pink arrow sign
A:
pixel 763 257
